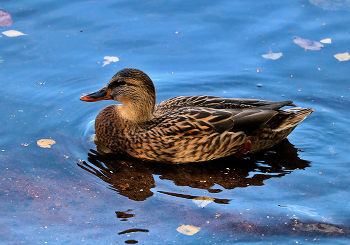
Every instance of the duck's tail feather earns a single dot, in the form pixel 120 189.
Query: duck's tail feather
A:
pixel 296 115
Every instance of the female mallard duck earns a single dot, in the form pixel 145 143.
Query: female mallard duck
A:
pixel 186 128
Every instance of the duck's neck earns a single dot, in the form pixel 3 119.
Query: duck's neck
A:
pixel 136 111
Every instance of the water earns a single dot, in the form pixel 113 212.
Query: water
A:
pixel 294 193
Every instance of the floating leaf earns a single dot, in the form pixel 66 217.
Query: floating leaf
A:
pixel 5 18
pixel 308 44
pixel 342 56
pixel 45 143
pixel 202 201
pixel 272 56
pixel 188 229
pixel 110 59
pixel 327 40
pixel 13 33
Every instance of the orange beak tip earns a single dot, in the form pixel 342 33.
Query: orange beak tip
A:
pixel 85 98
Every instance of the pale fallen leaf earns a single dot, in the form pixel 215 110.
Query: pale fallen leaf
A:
pixel 342 56
pixel 110 59
pixel 188 229
pixel 308 44
pixel 272 56
pixel 13 33
pixel 327 40
pixel 202 201
pixel 45 143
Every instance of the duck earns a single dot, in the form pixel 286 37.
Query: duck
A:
pixel 186 129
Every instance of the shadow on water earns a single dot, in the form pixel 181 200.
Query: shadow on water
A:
pixel 133 179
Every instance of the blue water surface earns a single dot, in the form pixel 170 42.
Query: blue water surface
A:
pixel 296 192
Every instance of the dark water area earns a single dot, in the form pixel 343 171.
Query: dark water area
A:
pixel 71 193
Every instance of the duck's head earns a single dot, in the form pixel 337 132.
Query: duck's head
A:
pixel 133 89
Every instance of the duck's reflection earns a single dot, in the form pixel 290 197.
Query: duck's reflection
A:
pixel 134 179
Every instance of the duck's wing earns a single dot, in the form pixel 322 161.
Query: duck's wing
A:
pixel 214 102
pixel 194 121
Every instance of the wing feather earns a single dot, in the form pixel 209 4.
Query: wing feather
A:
pixel 194 121
pixel 204 101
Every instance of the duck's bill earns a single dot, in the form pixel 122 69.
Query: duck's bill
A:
pixel 96 96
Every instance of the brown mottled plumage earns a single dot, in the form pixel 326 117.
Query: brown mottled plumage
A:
pixel 186 128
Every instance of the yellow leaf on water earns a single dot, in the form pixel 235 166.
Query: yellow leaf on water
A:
pixel 45 143
pixel 327 40
pixel 342 56
pixel 13 33
pixel 188 229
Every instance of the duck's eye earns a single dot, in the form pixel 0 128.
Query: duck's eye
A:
pixel 121 83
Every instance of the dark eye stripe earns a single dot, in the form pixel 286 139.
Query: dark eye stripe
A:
pixel 116 83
